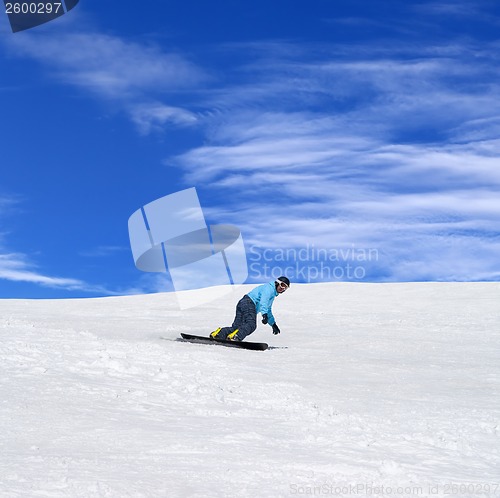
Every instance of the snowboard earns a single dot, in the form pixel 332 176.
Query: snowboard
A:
pixel 254 346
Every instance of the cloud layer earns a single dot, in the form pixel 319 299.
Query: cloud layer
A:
pixel 390 146
pixel 383 151
pixel 127 73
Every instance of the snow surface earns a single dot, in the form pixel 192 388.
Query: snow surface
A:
pixel 370 390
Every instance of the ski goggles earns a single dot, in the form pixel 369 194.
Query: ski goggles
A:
pixel 282 285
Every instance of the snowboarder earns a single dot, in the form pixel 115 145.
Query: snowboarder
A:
pixel 259 300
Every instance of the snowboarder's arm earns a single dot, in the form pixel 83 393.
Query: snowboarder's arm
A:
pixel 266 302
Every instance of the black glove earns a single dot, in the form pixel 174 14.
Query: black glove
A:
pixel 276 329
pixel 264 318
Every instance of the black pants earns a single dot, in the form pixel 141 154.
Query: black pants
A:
pixel 245 320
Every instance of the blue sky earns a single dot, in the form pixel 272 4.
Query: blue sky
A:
pixel 367 129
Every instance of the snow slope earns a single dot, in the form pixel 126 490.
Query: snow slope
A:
pixel 370 390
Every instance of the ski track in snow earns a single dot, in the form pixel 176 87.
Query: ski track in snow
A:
pixel 393 388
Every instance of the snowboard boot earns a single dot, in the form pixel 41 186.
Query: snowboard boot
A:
pixel 233 336
pixel 214 334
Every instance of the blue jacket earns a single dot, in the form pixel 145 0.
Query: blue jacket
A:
pixel 263 297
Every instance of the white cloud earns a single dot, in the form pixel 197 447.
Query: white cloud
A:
pixel 386 147
pixel 108 65
pixel 148 283
pixel 467 10
pixel 17 267
pixel 103 251
pixel 8 202
pixel 154 116
pixel 112 68
pixel 14 267
pixel 316 152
